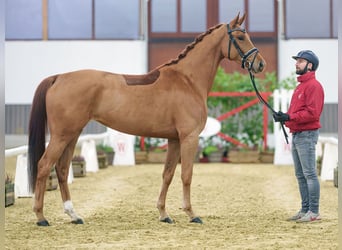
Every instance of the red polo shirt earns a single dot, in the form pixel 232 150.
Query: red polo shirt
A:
pixel 306 104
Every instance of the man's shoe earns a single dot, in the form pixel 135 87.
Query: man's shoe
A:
pixel 297 216
pixel 309 217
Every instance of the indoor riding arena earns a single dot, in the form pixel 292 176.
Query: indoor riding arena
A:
pixel 80 71
pixel 243 206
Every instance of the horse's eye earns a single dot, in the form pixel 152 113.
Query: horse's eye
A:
pixel 241 38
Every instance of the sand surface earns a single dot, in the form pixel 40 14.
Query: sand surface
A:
pixel 242 207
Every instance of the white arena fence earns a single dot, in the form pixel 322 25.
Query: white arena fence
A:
pixel 123 145
pixel 327 149
pixel 83 138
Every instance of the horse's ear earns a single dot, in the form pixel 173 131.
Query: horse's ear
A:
pixel 242 19
pixel 235 21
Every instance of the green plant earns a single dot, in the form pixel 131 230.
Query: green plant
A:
pixel 247 125
pixel 104 148
pixel 212 144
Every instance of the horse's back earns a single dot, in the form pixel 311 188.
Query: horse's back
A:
pixel 82 84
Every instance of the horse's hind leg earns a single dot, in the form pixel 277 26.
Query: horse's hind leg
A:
pixel 49 158
pixel 62 169
pixel 172 159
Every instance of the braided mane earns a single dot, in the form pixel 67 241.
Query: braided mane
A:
pixel 191 46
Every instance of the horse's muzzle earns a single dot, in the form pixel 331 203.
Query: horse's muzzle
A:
pixel 259 66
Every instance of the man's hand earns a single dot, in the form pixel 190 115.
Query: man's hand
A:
pixel 281 117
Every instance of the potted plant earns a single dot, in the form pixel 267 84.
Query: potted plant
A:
pixel 108 150
pixel 213 149
pixel 140 154
pixel 156 149
pixel 51 182
pixel 267 156
pixel 101 158
pixel 153 150
pixel 9 191
pixel 78 166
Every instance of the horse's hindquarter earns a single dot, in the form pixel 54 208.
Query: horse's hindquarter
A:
pixel 70 101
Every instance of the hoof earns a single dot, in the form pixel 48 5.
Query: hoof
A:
pixel 167 220
pixel 78 221
pixel 43 223
pixel 196 220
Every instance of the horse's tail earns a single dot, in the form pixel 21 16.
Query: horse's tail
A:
pixel 37 129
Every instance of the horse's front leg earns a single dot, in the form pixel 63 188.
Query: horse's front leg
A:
pixel 188 150
pixel 172 159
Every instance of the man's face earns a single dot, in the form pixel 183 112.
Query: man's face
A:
pixel 301 66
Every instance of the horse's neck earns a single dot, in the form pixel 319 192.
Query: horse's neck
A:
pixel 201 63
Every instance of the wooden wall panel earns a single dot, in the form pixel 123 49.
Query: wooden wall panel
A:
pixel 162 52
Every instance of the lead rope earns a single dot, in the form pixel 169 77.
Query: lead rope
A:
pixel 267 104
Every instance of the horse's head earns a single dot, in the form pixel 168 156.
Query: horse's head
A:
pixel 240 47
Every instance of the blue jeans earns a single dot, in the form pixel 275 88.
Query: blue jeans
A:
pixel 304 158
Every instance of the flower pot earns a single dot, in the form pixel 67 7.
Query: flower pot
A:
pixel 79 168
pixel 110 157
pixel 140 157
pixel 51 182
pixel 108 152
pixel 244 156
pixel 102 161
pixel 9 194
pixel 156 157
pixel 215 156
pixel 266 157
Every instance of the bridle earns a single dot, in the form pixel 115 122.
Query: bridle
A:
pixel 244 56
pixel 248 65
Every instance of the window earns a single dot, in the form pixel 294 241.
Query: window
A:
pixel 74 19
pixel 186 18
pixel 23 19
pixel 117 19
pixel 177 17
pixel 261 16
pixel 70 19
pixel 310 19
pixel 229 9
pixel 191 22
pixel 164 16
pixel 335 18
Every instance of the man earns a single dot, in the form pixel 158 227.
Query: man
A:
pixel 303 120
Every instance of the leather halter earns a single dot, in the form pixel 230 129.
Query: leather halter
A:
pixel 244 56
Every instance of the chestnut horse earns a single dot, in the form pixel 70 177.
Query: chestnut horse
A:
pixel 168 102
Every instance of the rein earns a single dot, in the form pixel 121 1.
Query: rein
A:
pixel 249 65
pixel 262 100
